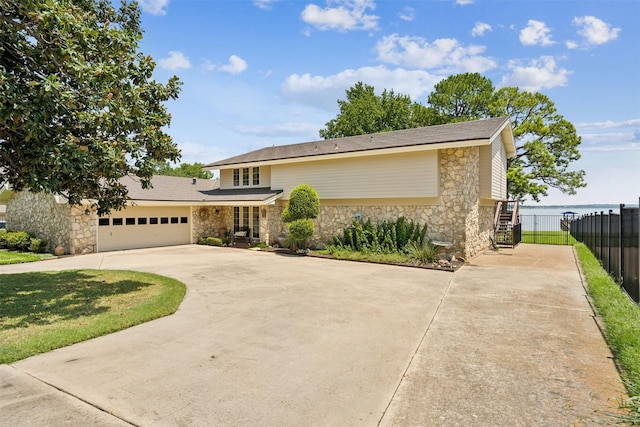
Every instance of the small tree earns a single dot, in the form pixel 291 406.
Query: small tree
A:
pixel 303 206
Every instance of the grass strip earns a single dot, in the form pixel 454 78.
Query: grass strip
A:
pixel 621 318
pixel 42 311
pixel 548 237
pixel 7 257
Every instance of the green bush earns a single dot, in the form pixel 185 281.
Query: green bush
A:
pixel 18 240
pixel 210 241
pixel 304 203
pixel 384 237
pixel 301 230
pixel 422 253
pixel 3 239
pixel 37 245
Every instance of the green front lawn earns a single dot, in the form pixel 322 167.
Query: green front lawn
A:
pixel 43 311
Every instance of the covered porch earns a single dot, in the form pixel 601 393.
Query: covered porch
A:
pixel 237 215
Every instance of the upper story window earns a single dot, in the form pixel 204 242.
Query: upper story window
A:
pixel 250 177
pixel 245 177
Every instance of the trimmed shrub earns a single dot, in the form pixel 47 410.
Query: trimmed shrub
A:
pixel 18 240
pixel 304 203
pixel 301 230
pixel 210 241
pixel 37 245
pixel 3 239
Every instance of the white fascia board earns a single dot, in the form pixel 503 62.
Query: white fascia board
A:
pixel 507 139
pixel 157 203
pixel 363 153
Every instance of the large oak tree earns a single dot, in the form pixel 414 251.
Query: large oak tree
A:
pixel 79 106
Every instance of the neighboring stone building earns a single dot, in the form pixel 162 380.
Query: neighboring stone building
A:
pixel 447 176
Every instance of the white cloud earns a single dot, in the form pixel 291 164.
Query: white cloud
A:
pixel 154 7
pixel 594 30
pixel 538 74
pixel 607 124
pixel 571 44
pixel 443 55
pixel 407 14
pixel 324 91
pixel 193 152
pixel 610 141
pixel 535 33
pixel 264 4
pixel 175 61
pixel 346 15
pixel 480 28
pixel 464 2
pixel 236 65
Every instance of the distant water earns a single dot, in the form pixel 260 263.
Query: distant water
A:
pixel 538 217
pixel 559 210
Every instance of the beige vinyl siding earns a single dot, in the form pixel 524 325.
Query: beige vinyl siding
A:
pixel 386 176
pixel 493 170
pixel 498 170
pixel 226 178
pixel 265 176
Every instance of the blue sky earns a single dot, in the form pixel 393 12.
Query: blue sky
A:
pixel 258 73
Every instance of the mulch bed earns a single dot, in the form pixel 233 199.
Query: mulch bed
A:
pixel 441 265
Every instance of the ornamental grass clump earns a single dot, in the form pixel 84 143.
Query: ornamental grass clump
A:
pixel 422 253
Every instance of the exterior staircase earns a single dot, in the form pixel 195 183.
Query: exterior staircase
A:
pixel 506 227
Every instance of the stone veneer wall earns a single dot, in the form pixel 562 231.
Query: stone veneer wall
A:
pixel 456 216
pixel 58 223
pixel 207 223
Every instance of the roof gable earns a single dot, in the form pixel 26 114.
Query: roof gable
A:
pixel 424 136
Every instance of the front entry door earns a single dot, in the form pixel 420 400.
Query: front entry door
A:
pixel 247 216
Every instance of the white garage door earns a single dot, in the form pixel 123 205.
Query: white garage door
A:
pixel 144 227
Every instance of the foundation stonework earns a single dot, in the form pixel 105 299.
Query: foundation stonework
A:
pixel 57 222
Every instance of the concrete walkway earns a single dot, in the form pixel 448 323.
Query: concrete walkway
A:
pixel 264 339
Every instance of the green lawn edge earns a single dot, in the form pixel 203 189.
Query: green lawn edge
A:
pixel 621 319
pixel 10 257
pixel 164 303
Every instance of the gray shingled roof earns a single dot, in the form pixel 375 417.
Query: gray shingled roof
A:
pixel 454 132
pixel 177 189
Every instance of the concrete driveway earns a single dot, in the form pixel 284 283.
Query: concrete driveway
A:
pixel 264 339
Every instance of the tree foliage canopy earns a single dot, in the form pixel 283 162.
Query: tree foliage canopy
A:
pixel 365 112
pixel 79 107
pixel 462 97
pixel 186 170
pixel 546 143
